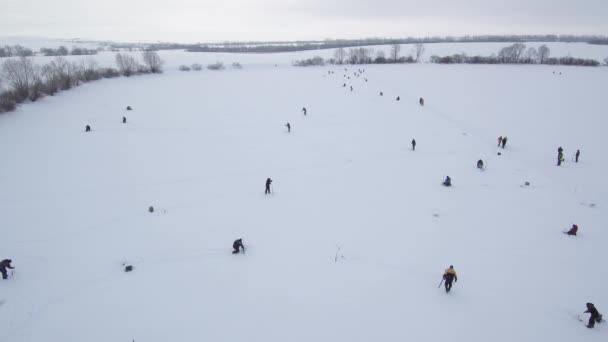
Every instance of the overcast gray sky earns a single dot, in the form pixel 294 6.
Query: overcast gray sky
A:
pixel 205 20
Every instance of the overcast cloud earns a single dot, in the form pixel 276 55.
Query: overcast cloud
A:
pixel 203 20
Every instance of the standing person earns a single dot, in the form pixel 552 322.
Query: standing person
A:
pixel 578 153
pixel 124 119
pixel 304 111
pixel 595 315
pixel 268 182
pixel 421 101
pixel 449 276
pixel 4 264
pixel 237 245
pixel 87 128
pixel 560 156
pixel 288 127
pixel 398 98
pixel 480 164
pixel 504 142
pixel 499 141
pixel 381 94
pixel 413 144
pixel 351 88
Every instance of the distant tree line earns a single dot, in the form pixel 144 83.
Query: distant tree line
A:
pixel 515 54
pixel 15 51
pixel 63 51
pixel 22 80
pixel 268 47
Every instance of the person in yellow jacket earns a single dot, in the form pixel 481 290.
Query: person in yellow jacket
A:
pixel 449 276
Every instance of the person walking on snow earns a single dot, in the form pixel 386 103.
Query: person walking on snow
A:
pixel 237 245
pixel 304 111
pixel 4 264
pixel 413 144
pixel 578 153
pixel 595 315
pixel 421 101
pixel 288 127
pixel 268 182
pixel 573 230
pixel 504 142
pixel 480 164
pixel 449 276
pixel 398 98
pixel 499 141
pixel 560 156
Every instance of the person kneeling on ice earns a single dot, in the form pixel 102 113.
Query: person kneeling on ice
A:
pixel 573 230
pixel 595 315
pixel 449 276
pixel 237 245
pixel 4 264
pixel 480 164
pixel 447 181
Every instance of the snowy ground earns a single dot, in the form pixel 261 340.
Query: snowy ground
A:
pixel 198 146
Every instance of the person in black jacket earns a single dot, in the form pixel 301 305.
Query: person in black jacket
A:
pixel 268 182
pixel 578 154
pixel 413 144
pixel 480 164
pixel 304 111
pixel 87 128
pixel 237 245
pixel 449 276
pixel 447 181
pixel 288 127
pixel 595 315
pixel 4 264
pixel 504 142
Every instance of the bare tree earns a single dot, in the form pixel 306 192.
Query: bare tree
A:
pixel 19 74
pixel 127 65
pixel 518 50
pixel 152 61
pixel 340 55
pixel 531 55
pixel 511 53
pixel 395 49
pixel 543 53
pixel 418 51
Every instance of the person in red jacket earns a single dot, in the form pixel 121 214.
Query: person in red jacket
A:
pixel 573 230
pixel 4 264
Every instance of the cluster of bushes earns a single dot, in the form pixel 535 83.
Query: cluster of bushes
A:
pixel 63 51
pixel 129 65
pixel 315 61
pixel 515 54
pixel 366 56
pixel 15 51
pixel 25 80
pixel 214 66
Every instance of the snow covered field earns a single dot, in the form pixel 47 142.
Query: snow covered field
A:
pixel 352 243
